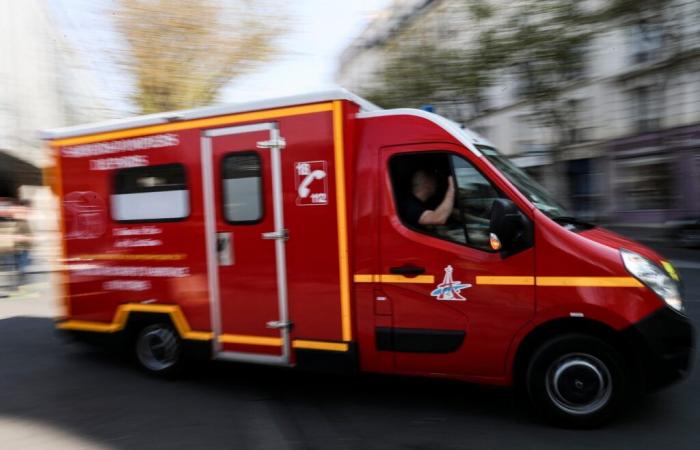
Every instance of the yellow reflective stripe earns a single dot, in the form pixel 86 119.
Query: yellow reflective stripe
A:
pixel 671 270
pixel 196 123
pixel 199 336
pixel 339 154
pixel 183 328
pixel 403 279
pixel 511 280
pixel 252 340
pixel 277 342
pixel 83 325
pixel 363 278
pixel 122 314
pixel 386 278
pixel 506 280
pixel 589 281
pixel 317 345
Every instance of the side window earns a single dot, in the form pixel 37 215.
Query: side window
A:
pixel 151 193
pixel 420 184
pixel 242 188
pixel 475 196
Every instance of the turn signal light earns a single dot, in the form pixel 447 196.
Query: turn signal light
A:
pixel 494 241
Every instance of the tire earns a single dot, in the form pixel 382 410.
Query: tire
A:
pixel 577 381
pixel 158 349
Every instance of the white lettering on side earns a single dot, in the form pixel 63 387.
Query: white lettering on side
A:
pixel 131 243
pixel 131 271
pixel 145 230
pixel 119 163
pixel 122 146
pixel 126 285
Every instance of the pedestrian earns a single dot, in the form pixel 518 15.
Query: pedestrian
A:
pixel 22 241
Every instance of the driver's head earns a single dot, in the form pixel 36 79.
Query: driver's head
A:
pixel 423 184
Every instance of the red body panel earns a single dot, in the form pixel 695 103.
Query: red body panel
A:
pixel 90 300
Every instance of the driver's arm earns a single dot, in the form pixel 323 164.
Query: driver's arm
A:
pixel 440 215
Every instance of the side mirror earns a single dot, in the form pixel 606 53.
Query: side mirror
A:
pixel 510 230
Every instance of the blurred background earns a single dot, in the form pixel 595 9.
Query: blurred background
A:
pixel 599 100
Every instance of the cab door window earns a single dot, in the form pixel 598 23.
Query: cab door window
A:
pixel 475 196
pixel 420 184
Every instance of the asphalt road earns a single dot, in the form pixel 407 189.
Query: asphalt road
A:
pixel 57 395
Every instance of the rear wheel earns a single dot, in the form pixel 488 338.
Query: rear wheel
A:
pixel 158 349
pixel 577 380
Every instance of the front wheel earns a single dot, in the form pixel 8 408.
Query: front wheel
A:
pixel 577 381
pixel 158 349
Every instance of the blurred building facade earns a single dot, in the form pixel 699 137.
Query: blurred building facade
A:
pixel 633 151
pixel 43 84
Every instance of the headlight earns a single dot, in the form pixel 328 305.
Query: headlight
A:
pixel 654 277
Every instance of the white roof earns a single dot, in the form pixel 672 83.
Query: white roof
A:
pixel 470 139
pixel 198 113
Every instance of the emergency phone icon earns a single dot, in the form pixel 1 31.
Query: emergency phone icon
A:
pixel 311 179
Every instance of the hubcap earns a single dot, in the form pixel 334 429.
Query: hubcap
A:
pixel 579 383
pixel 157 348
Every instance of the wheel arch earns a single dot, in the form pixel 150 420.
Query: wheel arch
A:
pixel 567 325
pixel 137 320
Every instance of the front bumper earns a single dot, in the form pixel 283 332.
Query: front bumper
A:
pixel 665 343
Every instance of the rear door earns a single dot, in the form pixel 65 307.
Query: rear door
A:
pixel 455 303
pixel 246 241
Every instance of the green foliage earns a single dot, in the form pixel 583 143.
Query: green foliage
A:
pixel 181 54
pixel 541 43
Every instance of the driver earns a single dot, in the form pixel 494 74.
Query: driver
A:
pixel 417 208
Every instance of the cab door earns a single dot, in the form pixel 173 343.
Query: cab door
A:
pixel 455 302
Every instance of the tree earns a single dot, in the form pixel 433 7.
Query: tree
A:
pixel 182 53
pixel 543 44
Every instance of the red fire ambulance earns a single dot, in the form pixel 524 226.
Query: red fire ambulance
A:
pixel 289 232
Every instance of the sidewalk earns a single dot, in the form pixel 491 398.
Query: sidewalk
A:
pixel 37 298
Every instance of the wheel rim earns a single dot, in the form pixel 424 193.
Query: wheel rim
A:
pixel 579 383
pixel 158 348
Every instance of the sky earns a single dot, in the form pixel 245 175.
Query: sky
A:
pixel 308 57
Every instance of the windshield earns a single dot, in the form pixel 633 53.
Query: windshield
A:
pixel 526 185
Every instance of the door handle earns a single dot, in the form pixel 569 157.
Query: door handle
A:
pixel 278 325
pixel 407 270
pixel 282 235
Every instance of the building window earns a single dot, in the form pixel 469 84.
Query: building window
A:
pixel 151 193
pixel 576 117
pixel 646 108
pixel 242 188
pixel 646 41
pixel 645 183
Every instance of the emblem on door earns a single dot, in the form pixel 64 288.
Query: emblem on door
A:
pixel 449 290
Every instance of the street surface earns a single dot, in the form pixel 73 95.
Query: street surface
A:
pixel 65 396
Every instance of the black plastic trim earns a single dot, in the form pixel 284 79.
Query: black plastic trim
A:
pixel 418 340
pixel 326 361
pixel 665 341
